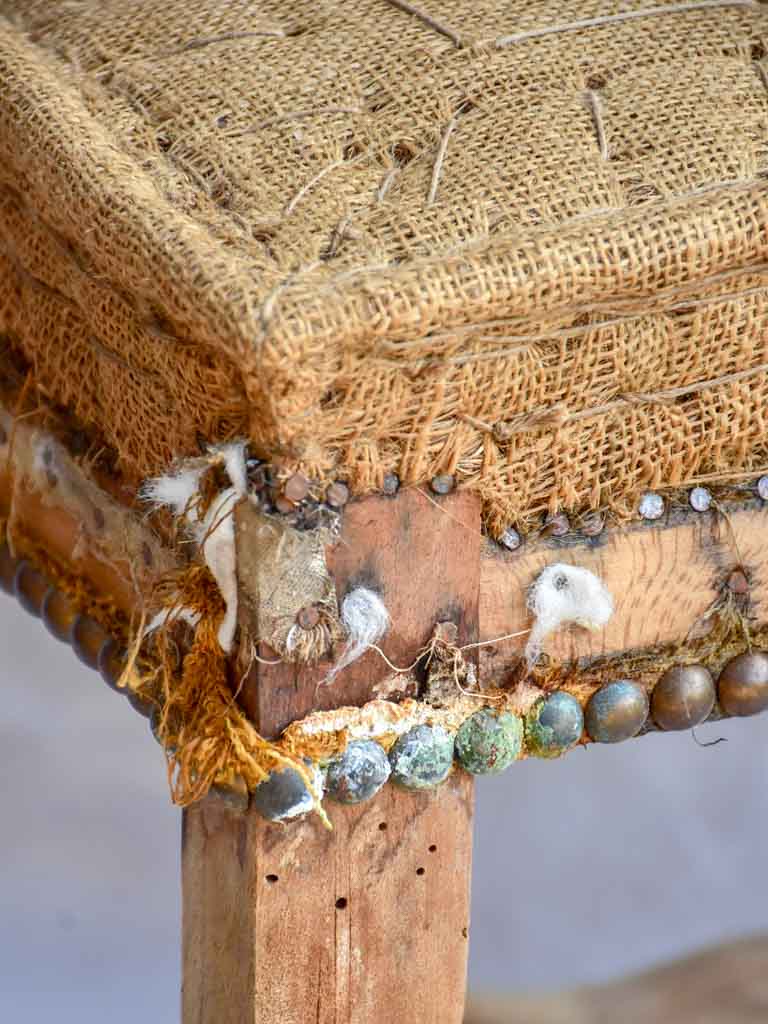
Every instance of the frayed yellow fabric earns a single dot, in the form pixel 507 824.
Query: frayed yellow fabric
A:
pixel 206 737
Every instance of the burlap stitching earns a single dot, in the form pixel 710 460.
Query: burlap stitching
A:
pixel 296 326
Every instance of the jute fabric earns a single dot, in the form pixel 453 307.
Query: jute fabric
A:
pixel 521 242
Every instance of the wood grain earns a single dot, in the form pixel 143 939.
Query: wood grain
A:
pixel 423 558
pixel 663 578
pixel 367 924
pixel 62 535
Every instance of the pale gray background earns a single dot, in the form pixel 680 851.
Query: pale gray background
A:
pixel 607 861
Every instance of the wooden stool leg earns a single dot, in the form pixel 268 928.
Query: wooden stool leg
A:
pixel 364 925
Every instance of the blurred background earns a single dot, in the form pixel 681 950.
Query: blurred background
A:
pixel 611 860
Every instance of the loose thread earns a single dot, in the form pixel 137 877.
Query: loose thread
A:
pixel 400 671
pixel 595 105
pixel 521 342
pixel 295 115
pixel 309 185
pixel 429 649
pixel 428 20
pixel 707 743
pixel 445 512
pixel 127 672
pixel 610 19
pixel 558 415
pixel 386 181
pixel 267 661
pixel 199 44
pixel 730 475
pixel 440 159
pixel 495 640
pixel 471 693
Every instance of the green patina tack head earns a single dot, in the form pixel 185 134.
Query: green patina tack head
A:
pixel 422 757
pixel 616 712
pixel 488 743
pixel 358 773
pixel 554 725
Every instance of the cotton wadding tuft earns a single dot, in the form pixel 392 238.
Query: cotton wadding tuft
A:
pixel 366 620
pixel 233 455
pixel 563 595
pixel 175 490
pixel 215 532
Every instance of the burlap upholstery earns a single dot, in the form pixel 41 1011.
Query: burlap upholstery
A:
pixel 363 240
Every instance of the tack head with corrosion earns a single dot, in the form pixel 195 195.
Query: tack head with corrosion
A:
pixel 358 773
pixel 87 638
pixel 487 743
pixel 592 524
pixel 443 484
pixel 337 495
pixel 140 702
pixel 111 662
pixel 308 617
pixel 557 525
pixel 422 757
pixel 700 499
pixel 616 712
pixel 58 614
pixel 683 697
pixel 743 684
pixel 510 539
pixel 30 588
pixel 282 796
pixel 651 505
pixel 391 484
pixel 554 725
pixel 296 488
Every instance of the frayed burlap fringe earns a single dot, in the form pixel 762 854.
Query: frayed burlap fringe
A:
pixel 414 223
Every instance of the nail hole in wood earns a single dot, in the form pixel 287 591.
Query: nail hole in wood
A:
pixel 382 826
pixel 272 879
pixel 419 871
pixel 433 848
pixel 341 903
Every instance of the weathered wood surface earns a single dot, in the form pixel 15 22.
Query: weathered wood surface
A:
pixel 726 985
pixel 663 578
pixel 367 924
pixel 422 556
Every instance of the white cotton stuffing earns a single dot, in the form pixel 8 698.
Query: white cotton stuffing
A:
pixel 564 595
pixel 216 531
pixel 174 491
pixel 366 620
pixel 234 463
